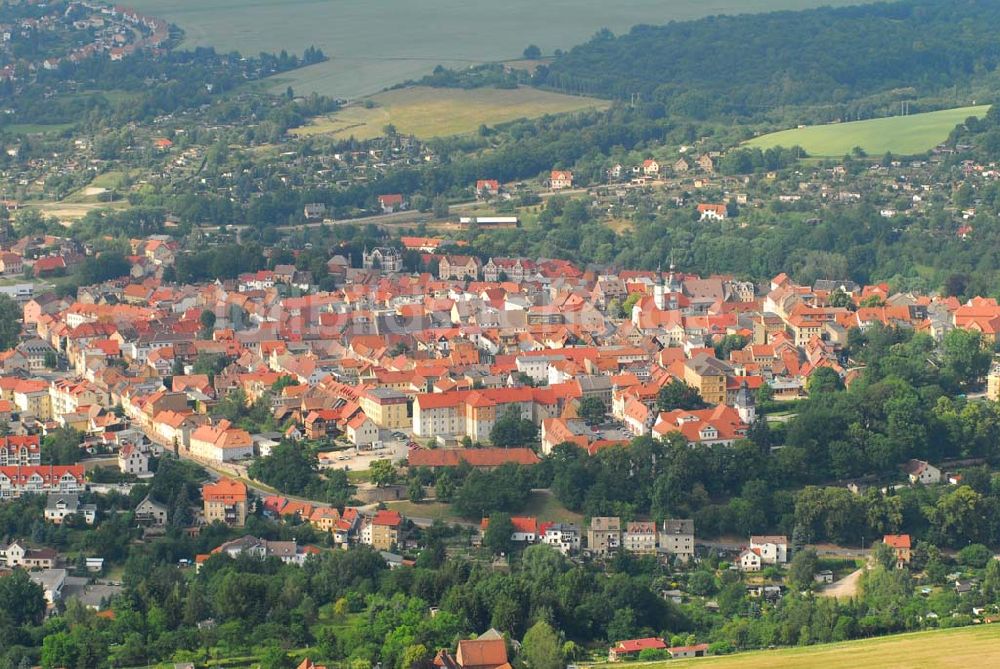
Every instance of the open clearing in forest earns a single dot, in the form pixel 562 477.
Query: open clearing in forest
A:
pixel 440 112
pixel 901 135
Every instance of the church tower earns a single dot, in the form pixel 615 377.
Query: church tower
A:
pixel 745 404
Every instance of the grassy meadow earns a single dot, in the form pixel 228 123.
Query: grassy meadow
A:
pixel 377 43
pixel 964 647
pixel 439 112
pixel 902 135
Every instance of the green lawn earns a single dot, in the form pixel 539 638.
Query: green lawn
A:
pixel 965 647
pixel 541 504
pixel 376 44
pixel 902 135
pixel 35 128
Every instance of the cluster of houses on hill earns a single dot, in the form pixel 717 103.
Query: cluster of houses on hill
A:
pixel 92 29
pixel 227 501
pixel 673 539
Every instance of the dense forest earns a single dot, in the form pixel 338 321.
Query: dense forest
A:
pixel 743 65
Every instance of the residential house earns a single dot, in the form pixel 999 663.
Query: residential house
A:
pixel 640 537
pixel 631 648
pixel 564 537
pixel 749 560
pixel 60 505
pixel 324 518
pixel 18 554
pixel 51 581
pixel 133 461
pixel 151 512
pixel 604 535
pixel 489 651
pixel 11 264
pixel 391 203
pixel 560 179
pixel 225 501
pixel 720 425
pixel 385 530
pixel 712 212
pixel 20 450
pixel 362 431
pixel 922 472
pixel 773 549
pixel 526 528
pixel 677 538
pixel 18 480
pixel 900 545
pixel 486 188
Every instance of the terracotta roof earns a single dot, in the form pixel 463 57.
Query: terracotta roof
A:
pixel 225 490
pixel 637 645
pixel 477 457
pixel 481 653
pixel 897 540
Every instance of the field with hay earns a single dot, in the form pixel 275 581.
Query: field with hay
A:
pixel 964 647
pixel 439 112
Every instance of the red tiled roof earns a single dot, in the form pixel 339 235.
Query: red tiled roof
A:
pixel 637 645
pixel 477 457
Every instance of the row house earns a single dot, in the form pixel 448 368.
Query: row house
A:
pixel 456 414
pixel 459 268
pixel 22 451
pixel 18 480
pixel 67 396
pixel 508 269
pixel 675 538
pixel 720 425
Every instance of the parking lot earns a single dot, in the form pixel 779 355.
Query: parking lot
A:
pixel 393 448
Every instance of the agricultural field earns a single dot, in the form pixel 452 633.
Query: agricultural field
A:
pixel 902 135
pixel 964 647
pixel 375 44
pixel 439 112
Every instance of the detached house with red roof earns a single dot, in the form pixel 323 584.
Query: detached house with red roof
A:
pixel 560 179
pixel 489 651
pixel 900 545
pixel 390 203
pixel 632 647
pixel 526 528
pixel 712 212
pixel 487 188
